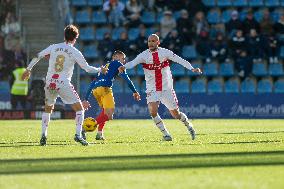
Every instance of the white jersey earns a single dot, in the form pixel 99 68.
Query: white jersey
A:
pixel 156 68
pixel 62 57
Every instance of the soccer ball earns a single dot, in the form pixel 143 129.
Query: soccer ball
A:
pixel 90 124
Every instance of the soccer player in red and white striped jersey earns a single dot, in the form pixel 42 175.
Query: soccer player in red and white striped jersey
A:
pixel 159 82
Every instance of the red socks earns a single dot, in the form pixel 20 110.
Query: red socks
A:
pixel 101 119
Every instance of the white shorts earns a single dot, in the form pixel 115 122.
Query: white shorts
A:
pixel 62 88
pixel 167 97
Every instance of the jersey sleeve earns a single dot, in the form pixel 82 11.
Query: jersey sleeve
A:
pixel 175 58
pixel 79 58
pixel 139 59
pixel 129 82
pixel 40 55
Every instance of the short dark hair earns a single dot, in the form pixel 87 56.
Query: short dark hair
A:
pixel 118 52
pixel 71 32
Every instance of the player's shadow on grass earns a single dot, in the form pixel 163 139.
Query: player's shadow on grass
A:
pixel 242 133
pixel 32 144
pixel 141 162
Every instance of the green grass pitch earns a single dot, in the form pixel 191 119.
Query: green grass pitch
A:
pixel 226 154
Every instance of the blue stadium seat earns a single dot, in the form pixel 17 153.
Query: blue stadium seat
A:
pixel 116 32
pixel 243 14
pixel 131 72
pixel 87 34
pixel 248 86
pixel 282 52
pixel 100 33
pixel 264 86
pixel 117 86
pixel 215 86
pixel 189 52
pixel 258 15
pixel 213 17
pixel 143 87
pixel 182 86
pixel 240 3
pixel 177 69
pixel 133 33
pixel 177 14
pixel 226 15
pixel 282 3
pixel 160 15
pixel 210 69
pixel 209 3
pixel 232 86
pixel 99 17
pixel 255 3
pixel 224 3
pixel 83 17
pixel 198 86
pixel 90 51
pixel 276 14
pixel 79 3
pixel 95 3
pixel 272 3
pixel 140 70
pixel 259 69
pixel 149 31
pixel 226 69
pixel 4 88
pixel 195 65
pixel 279 86
pixel 148 17
pixel 84 86
pixel 275 70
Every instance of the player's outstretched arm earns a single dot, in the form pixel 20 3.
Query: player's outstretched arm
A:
pixel 136 95
pixel 26 75
pixel 131 64
pixel 175 58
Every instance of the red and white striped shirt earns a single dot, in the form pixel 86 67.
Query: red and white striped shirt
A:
pixel 156 68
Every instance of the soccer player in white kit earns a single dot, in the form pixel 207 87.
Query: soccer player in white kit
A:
pixel 62 57
pixel 159 83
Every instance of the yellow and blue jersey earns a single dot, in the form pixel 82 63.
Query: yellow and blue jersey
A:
pixel 106 80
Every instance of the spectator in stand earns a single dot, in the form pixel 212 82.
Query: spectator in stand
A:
pixel 238 44
pixel 272 49
pixel 141 40
pixel 200 24
pixel 219 48
pixel 6 60
pixel 106 47
pixel 233 24
pixel 168 23
pixel 162 5
pixel 148 4
pixel 203 45
pixel 255 46
pixel 266 24
pixel 243 64
pixel 20 55
pixel 114 10
pixel 123 43
pixel 133 12
pixel 11 25
pixel 279 29
pixel 250 23
pixel 184 27
pixel 194 7
pixel 173 42
pixel 19 90
pixel 5 7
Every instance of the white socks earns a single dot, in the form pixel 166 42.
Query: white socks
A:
pixel 159 123
pixel 44 123
pixel 185 120
pixel 79 121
